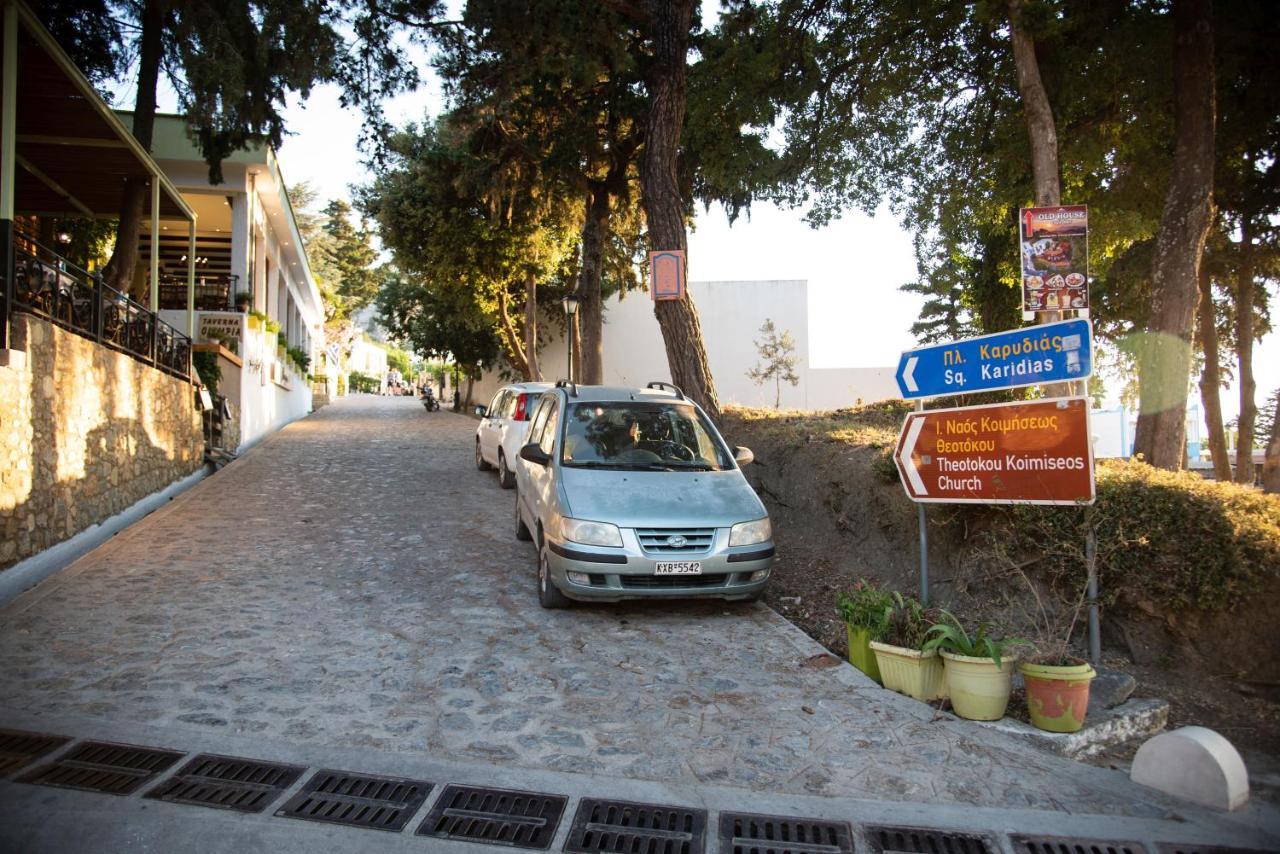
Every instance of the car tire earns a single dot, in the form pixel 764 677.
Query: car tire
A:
pixel 522 530
pixel 549 596
pixel 480 463
pixel 506 477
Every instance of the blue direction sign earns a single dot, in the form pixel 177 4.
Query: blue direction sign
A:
pixel 1052 353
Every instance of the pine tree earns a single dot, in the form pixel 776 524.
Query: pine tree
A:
pixel 778 360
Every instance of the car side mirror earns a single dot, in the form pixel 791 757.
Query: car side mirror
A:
pixel 534 454
pixel 743 456
pixel 482 411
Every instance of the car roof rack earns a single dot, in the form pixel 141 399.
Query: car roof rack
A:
pixel 569 384
pixel 661 385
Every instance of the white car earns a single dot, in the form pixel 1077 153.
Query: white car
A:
pixel 503 425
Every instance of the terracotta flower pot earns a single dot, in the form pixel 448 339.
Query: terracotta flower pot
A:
pixel 979 690
pixel 910 671
pixel 860 654
pixel 1057 697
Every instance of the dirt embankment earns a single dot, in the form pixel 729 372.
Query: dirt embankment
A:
pixel 839 514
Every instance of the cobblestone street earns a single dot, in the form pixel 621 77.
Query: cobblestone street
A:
pixel 355 582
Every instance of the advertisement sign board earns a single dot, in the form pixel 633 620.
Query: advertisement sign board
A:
pixel 1055 258
pixel 1053 352
pixel 666 274
pixel 1026 452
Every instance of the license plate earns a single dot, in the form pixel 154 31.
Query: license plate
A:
pixel 677 567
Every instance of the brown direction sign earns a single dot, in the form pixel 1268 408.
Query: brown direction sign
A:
pixel 1036 452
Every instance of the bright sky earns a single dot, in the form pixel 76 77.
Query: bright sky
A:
pixel 858 317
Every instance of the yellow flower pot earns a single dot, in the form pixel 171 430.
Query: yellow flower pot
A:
pixel 910 671
pixel 979 690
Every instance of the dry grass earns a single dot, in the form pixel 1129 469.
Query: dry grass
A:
pixel 873 425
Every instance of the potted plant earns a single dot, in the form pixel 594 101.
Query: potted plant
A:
pixel 865 610
pixel 904 665
pixel 242 301
pixel 979 674
pixel 1057 681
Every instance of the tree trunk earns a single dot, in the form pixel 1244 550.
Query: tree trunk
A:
pixel 1271 464
pixel 120 269
pixel 1164 355
pixel 1244 354
pixel 531 326
pixel 1041 129
pixel 510 339
pixel 595 231
pixel 668 31
pixel 1211 380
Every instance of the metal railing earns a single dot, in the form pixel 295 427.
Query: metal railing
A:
pixel 212 293
pixel 49 286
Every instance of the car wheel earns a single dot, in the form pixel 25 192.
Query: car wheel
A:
pixel 522 530
pixel 480 463
pixel 549 596
pixel 506 477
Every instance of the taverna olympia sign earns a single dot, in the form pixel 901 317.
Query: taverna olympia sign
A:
pixel 1051 353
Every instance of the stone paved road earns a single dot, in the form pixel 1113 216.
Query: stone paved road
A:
pixel 355 582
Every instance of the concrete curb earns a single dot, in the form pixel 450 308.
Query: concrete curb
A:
pixel 1131 720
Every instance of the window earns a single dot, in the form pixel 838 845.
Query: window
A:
pixel 539 420
pixel 548 441
pixel 495 404
pixel 642 435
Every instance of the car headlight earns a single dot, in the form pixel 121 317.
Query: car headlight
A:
pixel 591 533
pixel 747 533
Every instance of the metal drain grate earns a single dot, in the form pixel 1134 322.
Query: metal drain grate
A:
pixel 18 749
pixel 1026 844
pixel 926 840
pixel 227 782
pixel 100 766
pixel 495 816
pixel 360 800
pixel 743 833
pixel 637 828
pixel 1189 848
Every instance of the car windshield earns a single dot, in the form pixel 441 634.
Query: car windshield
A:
pixel 641 435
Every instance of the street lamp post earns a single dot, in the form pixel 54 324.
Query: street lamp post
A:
pixel 570 303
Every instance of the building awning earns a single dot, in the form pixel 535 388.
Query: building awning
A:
pixel 73 153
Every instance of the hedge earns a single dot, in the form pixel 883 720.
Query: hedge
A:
pixel 1171 538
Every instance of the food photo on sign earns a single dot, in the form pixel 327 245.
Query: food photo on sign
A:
pixel 1055 258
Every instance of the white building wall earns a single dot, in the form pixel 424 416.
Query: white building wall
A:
pixel 731 314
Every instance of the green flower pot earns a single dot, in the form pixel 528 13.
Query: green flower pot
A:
pixel 860 654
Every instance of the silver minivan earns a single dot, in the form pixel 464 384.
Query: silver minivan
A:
pixel 632 493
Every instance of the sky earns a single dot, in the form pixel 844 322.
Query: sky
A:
pixel 855 266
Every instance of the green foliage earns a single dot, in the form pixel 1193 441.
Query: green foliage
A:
pixel 866 606
pixel 778 359
pixel 364 383
pixel 206 365
pixel 907 622
pixel 299 358
pixel 950 635
pixel 272 327
pixel 1168 539
pixel 401 361
pixel 282 340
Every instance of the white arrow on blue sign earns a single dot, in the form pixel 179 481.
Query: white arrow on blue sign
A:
pixel 1052 353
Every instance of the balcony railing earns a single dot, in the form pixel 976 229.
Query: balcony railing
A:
pixel 48 286
pixel 212 293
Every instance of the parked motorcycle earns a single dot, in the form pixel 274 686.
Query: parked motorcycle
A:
pixel 430 402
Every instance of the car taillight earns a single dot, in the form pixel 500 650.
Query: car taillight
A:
pixel 522 408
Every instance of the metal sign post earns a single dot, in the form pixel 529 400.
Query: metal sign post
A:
pixel 924 540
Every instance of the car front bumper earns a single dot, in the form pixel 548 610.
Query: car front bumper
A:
pixel 612 575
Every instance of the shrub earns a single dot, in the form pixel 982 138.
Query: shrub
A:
pixel 1171 538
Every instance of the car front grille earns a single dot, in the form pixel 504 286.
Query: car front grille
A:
pixel 675 541
pixel 671 582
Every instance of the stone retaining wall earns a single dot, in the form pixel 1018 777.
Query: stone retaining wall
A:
pixel 85 432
